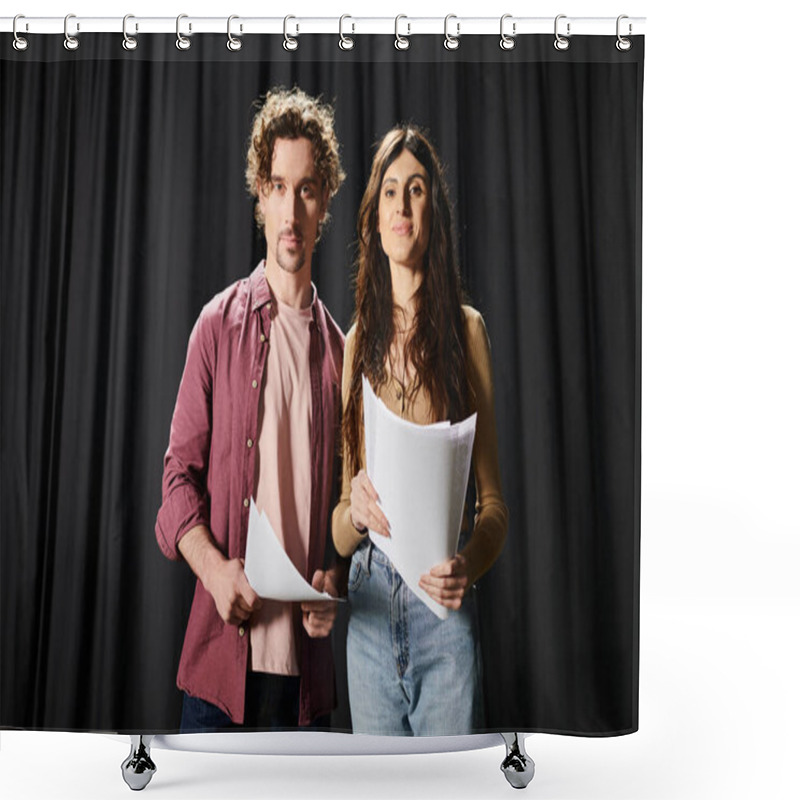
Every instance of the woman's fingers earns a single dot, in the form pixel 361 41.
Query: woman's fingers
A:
pixel 448 599
pixel 366 484
pixel 378 521
pixel 453 566
pixel 364 509
pixel 447 582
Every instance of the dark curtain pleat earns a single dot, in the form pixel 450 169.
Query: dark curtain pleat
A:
pixel 124 209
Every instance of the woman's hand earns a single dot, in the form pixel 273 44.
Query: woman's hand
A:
pixel 364 510
pixel 319 615
pixel 447 583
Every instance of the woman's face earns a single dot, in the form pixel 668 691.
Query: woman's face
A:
pixel 404 211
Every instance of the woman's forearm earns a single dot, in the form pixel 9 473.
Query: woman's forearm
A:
pixel 346 537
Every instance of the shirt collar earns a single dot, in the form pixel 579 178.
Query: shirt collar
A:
pixel 263 296
pixel 259 287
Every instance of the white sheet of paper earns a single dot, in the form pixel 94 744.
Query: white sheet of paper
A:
pixel 420 473
pixel 269 569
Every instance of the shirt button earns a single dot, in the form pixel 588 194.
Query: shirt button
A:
pixel 246 502
pixel 249 442
pixel 263 338
pixel 241 630
pixel 255 384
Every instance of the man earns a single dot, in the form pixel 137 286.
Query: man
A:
pixel 257 416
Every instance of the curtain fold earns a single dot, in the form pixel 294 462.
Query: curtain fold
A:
pixel 123 209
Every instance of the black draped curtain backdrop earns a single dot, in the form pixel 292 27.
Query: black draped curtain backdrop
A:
pixel 123 210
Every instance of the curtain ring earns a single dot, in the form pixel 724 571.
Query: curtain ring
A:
pixel 346 42
pixel 182 43
pixel 70 42
pixel 401 42
pixel 561 42
pixel 507 42
pixel 128 42
pixel 20 43
pixel 233 43
pixel 289 42
pixel 451 42
pixel 623 44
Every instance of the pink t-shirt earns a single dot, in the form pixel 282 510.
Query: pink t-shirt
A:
pixel 283 477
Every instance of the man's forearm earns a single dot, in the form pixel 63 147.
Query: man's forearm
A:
pixel 201 552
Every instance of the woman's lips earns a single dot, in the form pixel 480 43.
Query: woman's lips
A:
pixel 402 230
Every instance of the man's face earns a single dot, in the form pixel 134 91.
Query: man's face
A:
pixel 293 204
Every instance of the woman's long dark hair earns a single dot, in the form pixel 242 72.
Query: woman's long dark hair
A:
pixel 436 346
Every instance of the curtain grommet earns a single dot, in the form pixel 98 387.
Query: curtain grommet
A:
pixel 233 44
pixel 561 43
pixel 71 43
pixel 182 43
pixel 451 42
pixel 623 44
pixel 507 42
pixel 289 42
pixel 20 43
pixel 129 42
pixel 346 42
pixel 401 42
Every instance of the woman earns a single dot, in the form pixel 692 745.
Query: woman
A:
pixel 426 355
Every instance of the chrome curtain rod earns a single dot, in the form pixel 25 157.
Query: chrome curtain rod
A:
pixel 452 25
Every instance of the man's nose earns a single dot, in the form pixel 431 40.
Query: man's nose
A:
pixel 293 204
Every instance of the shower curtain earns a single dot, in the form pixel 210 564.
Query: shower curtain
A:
pixel 124 210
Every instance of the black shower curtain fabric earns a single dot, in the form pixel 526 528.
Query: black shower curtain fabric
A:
pixel 123 209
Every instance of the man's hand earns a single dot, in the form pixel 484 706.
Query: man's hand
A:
pixel 447 583
pixel 233 595
pixel 223 578
pixel 318 615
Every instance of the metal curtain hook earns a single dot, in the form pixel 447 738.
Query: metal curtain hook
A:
pixel 507 42
pixel 401 42
pixel 70 42
pixel 346 42
pixel 20 43
pixel 623 44
pixel 128 42
pixel 233 44
pixel 561 42
pixel 182 43
pixel 451 42
pixel 289 42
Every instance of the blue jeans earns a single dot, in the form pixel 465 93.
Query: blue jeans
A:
pixel 408 672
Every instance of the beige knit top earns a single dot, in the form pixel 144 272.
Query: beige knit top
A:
pixel 491 514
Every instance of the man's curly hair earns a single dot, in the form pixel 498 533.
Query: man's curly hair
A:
pixel 292 114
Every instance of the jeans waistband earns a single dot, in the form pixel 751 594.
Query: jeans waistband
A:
pixel 371 552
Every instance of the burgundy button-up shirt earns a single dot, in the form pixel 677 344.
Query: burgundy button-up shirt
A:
pixel 209 477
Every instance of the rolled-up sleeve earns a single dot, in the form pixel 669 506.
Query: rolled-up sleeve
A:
pixel 184 492
pixel 491 513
